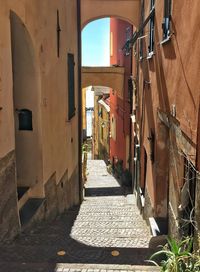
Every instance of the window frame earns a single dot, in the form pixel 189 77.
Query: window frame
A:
pixel 151 31
pixel 142 33
pixel 166 20
pixel 71 86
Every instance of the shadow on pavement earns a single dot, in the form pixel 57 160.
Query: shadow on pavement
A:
pixel 39 247
pixel 107 191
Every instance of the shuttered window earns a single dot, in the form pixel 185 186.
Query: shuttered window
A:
pixel 142 32
pixel 151 29
pixel 166 19
pixel 71 91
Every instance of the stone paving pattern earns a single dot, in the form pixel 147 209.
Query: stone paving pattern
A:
pixel 87 234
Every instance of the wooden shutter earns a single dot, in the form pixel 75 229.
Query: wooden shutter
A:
pixel 71 93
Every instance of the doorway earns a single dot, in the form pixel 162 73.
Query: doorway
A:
pixel 26 109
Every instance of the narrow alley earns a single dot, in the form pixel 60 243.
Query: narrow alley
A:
pixel 99 135
pixel 105 233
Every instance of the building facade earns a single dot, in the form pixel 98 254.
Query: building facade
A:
pixel 120 106
pixel 165 113
pixel 104 128
pixel 100 124
pixel 40 112
pixel 39 144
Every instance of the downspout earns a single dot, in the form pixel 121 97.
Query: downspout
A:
pixel 80 140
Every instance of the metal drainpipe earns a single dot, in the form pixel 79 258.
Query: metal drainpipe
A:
pixel 79 102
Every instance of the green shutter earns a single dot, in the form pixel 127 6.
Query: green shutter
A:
pixel 71 94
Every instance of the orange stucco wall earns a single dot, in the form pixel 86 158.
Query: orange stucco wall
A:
pixel 168 82
pixel 58 137
pixel 119 100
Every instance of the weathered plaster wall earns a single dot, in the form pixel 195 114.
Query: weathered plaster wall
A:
pixel 58 136
pixel 169 81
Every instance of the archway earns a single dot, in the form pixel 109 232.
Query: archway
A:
pixel 123 9
pixel 26 101
pixel 112 77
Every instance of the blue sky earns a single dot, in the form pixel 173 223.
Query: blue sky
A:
pixel 95 43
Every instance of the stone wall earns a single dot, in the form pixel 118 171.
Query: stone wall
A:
pixel 9 220
pixel 61 196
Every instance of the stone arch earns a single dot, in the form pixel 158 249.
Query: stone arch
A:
pixel 26 95
pixel 123 9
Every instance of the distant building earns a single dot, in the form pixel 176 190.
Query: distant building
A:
pixel 104 128
pixel 100 128
pixel 119 98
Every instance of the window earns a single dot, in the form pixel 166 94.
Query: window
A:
pixel 25 119
pixel 151 30
pixel 111 44
pixel 102 127
pixel 113 127
pixel 166 19
pixel 101 112
pixel 142 33
pixel 71 94
pixel 128 33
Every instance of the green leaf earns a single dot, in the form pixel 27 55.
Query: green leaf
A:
pixel 173 245
pixel 166 252
pixel 153 262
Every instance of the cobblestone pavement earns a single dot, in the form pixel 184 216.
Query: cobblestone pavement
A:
pixel 107 222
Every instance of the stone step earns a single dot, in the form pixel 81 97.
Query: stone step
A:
pixel 115 242
pixel 113 218
pixel 30 209
pixel 23 196
pixel 61 267
pixel 111 232
pixel 21 191
pixel 109 225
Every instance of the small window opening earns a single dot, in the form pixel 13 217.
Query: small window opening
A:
pixel 25 119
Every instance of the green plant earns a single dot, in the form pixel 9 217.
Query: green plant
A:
pixel 177 257
pixel 84 147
